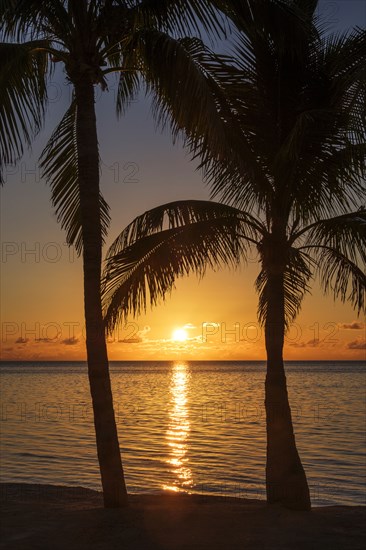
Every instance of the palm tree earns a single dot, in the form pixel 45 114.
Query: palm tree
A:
pixel 91 39
pixel 290 174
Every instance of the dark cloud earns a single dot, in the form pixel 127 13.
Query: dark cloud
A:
pixel 355 325
pixel 357 344
pixel 130 341
pixel 313 343
pixel 21 340
pixel 70 341
pixel 298 344
pixel 45 340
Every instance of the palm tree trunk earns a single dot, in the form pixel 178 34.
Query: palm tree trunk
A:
pixel 114 488
pixel 285 477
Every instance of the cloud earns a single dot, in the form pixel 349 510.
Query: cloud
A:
pixel 21 340
pixel 140 336
pixel 70 341
pixel 189 326
pixel 314 343
pixel 355 325
pixel 130 341
pixel 298 344
pixel 357 344
pixel 46 340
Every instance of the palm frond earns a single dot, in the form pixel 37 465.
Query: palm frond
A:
pixel 341 277
pixel 128 87
pixel 59 164
pixel 23 97
pixel 329 152
pixel 345 233
pixel 338 247
pixel 180 213
pixel 166 243
pixel 34 18
pixel 183 77
pixel 299 106
pixel 180 16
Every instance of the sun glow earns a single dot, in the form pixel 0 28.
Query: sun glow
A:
pixel 179 335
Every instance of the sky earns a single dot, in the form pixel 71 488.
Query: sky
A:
pixel 41 278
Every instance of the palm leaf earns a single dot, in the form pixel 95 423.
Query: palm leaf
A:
pixel 301 113
pixel 23 97
pixel 180 213
pixel 128 87
pixel 59 163
pixel 166 243
pixel 180 16
pixel 183 77
pixel 119 23
pixel 338 247
pixel 341 277
pixel 34 18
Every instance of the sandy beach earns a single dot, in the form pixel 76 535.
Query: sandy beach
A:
pixel 43 517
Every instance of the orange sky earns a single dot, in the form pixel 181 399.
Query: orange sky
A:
pixel 41 283
pixel 217 313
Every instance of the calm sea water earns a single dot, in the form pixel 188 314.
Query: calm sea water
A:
pixel 197 427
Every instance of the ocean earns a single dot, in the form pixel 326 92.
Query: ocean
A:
pixel 197 427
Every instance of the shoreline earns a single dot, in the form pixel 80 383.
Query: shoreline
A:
pixel 59 517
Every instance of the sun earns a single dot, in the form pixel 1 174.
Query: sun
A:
pixel 179 335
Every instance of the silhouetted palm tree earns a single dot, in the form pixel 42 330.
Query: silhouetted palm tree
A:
pixel 290 172
pixel 91 39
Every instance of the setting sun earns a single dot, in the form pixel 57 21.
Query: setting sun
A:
pixel 179 335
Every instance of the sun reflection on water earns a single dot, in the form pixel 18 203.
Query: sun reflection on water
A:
pixel 178 431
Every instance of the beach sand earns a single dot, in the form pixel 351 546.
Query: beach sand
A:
pixel 45 517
